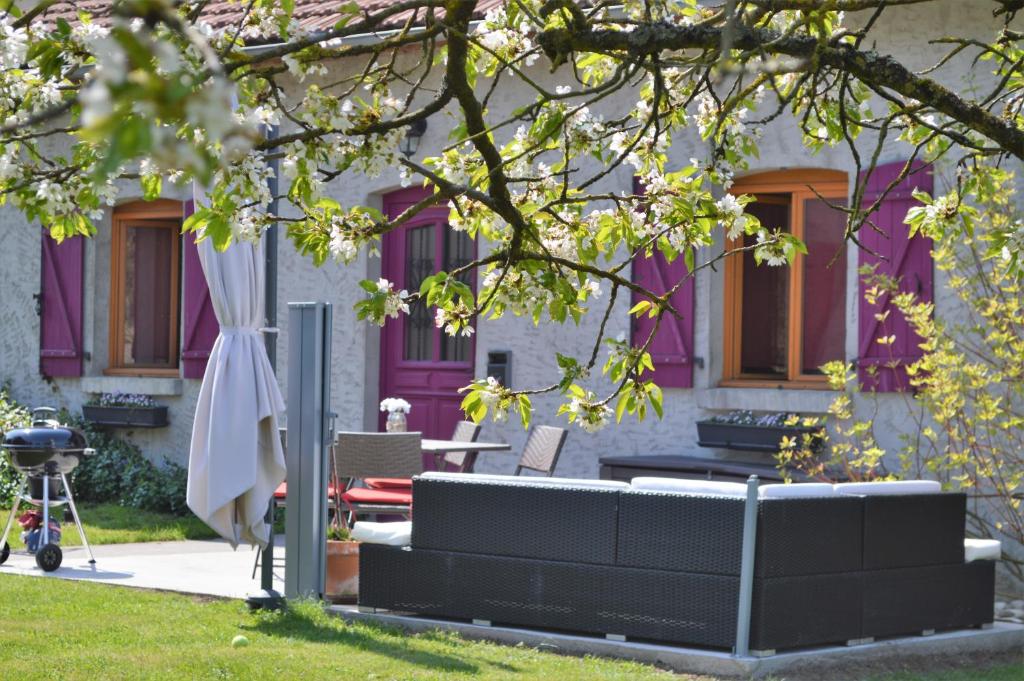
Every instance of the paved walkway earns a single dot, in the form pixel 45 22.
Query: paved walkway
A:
pixel 199 567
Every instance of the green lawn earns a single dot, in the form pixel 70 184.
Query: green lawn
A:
pixel 112 524
pixel 52 629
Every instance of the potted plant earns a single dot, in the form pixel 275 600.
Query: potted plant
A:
pixel 123 410
pixel 342 581
pixel 397 409
pixel 750 431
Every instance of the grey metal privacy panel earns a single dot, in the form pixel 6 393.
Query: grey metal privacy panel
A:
pixel 309 398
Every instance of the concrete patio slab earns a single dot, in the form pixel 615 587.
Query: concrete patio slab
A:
pixel 209 568
pixel 1001 637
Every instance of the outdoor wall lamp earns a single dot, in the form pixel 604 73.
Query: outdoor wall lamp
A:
pixel 413 134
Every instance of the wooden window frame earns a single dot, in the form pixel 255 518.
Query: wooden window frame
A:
pixel 163 213
pixel 800 185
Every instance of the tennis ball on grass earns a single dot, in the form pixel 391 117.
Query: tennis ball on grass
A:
pixel 239 641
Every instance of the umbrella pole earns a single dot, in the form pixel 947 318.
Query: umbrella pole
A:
pixel 268 598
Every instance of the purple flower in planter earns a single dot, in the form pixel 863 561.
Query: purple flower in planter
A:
pixel 120 399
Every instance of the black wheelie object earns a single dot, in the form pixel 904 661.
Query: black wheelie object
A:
pixel 45 452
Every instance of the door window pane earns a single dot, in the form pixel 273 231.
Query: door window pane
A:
pixel 764 340
pixel 458 251
pixel 824 317
pixel 419 264
pixel 149 257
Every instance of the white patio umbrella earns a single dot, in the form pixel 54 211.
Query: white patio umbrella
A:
pixel 236 459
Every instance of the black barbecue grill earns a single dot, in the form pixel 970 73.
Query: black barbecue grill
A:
pixel 45 453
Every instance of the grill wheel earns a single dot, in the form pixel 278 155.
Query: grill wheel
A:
pixel 5 553
pixel 49 557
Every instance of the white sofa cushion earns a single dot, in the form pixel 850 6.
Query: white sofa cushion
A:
pixel 982 549
pixel 796 490
pixel 391 534
pixel 889 487
pixel 678 486
pixel 527 480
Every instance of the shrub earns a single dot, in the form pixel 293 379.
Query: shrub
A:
pixel 117 473
pixel 968 386
pixel 12 415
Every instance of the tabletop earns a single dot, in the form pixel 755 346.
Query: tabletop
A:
pixel 443 446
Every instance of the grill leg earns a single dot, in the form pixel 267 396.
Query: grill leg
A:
pixel 44 538
pixel 14 511
pixel 78 521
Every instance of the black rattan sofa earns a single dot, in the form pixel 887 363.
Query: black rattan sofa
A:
pixel 666 566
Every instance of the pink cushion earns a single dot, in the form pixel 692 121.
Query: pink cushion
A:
pixel 388 483
pixel 282 491
pixel 364 495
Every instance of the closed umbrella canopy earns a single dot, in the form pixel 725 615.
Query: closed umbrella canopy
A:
pixel 236 459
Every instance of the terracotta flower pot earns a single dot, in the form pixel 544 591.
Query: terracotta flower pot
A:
pixel 342 571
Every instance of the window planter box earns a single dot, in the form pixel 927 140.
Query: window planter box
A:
pixel 126 417
pixel 747 437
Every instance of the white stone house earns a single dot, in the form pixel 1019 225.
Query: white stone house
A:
pixel 127 317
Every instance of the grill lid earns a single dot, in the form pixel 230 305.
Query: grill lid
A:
pixel 44 433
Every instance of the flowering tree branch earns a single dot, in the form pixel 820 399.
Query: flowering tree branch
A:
pixel 141 94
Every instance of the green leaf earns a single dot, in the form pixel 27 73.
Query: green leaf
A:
pixel 654 395
pixel 640 307
pixel 620 408
pixel 525 410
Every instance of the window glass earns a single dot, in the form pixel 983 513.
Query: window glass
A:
pixel 824 265
pixel 764 339
pixel 419 264
pixel 458 251
pixel 148 298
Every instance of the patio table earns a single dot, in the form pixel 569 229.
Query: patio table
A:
pixel 441 447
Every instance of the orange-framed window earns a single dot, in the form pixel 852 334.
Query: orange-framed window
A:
pixel 144 290
pixel 783 323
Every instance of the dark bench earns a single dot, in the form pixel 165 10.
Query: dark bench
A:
pixel 625 468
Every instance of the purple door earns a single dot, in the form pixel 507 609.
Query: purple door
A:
pixel 420 363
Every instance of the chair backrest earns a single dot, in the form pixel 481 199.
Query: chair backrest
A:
pixel 542 449
pixel 377 455
pixel 465 431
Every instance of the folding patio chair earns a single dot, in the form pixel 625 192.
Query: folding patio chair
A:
pixel 358 456
pixel 465 431
pixel 542 449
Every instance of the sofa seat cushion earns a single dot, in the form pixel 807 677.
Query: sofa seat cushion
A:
pixel 889 487
pixel 796 490
pixel 982 549
pixel 679 486
pixel 389 534
pixel 388 483
pixel 382 497
pixel 577 483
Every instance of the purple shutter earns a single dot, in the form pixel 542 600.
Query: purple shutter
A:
pixel 672 348
pixel 200 322
pixel 904 258
pixel 61 298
